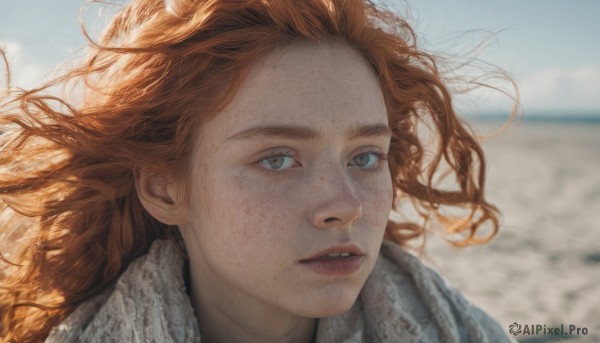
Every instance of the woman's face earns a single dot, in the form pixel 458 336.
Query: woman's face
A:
pixel 289 169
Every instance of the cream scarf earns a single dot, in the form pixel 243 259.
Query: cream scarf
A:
pixel 401 301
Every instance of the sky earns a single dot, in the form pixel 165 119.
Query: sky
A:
pixel 550 48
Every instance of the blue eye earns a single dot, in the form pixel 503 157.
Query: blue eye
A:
pixel 369 160
pixel 275 163
pixel 278 161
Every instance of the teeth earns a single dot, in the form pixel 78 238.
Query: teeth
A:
pixel 344 254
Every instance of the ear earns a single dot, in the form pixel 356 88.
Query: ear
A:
pixel 158 193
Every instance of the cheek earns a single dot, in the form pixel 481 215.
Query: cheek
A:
pixel 238 215
pixel 379 193
pixel 377 203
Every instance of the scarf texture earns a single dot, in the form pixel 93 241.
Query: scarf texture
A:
pixel 402 301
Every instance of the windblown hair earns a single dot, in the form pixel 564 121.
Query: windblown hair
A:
pixel 69 213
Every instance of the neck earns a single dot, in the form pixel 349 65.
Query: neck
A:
pixel 224 317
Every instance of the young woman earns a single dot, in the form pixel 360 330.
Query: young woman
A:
pixel 225 171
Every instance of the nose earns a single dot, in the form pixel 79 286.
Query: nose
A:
pixel 337 204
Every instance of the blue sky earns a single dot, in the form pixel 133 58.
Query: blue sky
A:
pixel 550 47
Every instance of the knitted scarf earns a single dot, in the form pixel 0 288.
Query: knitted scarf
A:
pixel 402 301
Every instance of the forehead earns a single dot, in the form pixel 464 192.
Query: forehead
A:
pixel 324 76
pixel 327 86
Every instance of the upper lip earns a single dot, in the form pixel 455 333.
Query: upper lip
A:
pixel 338 249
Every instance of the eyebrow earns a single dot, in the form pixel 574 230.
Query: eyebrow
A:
pixel 305 133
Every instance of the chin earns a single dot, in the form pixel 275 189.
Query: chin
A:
pixel 329 305
pixel 335 311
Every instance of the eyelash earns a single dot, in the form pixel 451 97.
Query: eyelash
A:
pixel 269 172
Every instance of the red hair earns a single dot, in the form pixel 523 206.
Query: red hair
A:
pixel 69 208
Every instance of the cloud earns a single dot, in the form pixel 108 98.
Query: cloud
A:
pixel 551 91
pixel 554 90
pixel 575 90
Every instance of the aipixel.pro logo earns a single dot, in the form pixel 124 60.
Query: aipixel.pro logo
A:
pixel 541 329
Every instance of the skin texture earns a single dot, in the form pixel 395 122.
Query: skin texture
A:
pixel 246 230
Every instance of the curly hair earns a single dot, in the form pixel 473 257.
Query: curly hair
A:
pixel 70 218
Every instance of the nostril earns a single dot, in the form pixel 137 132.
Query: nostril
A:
pixel 330 219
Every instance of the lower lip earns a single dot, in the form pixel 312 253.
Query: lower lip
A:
pixel 344 266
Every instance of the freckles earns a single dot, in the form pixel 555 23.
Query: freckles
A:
pixel 378 202
pixel 251 210
pixel 385 193
pixel 239 192
pixel 247 208
pixel 378 193
pixel 251 220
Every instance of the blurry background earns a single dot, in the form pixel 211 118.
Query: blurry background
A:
pixel 544 265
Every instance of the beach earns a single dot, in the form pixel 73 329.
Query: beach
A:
pixel 543 267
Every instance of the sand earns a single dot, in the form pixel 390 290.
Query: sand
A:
pixel 544 265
